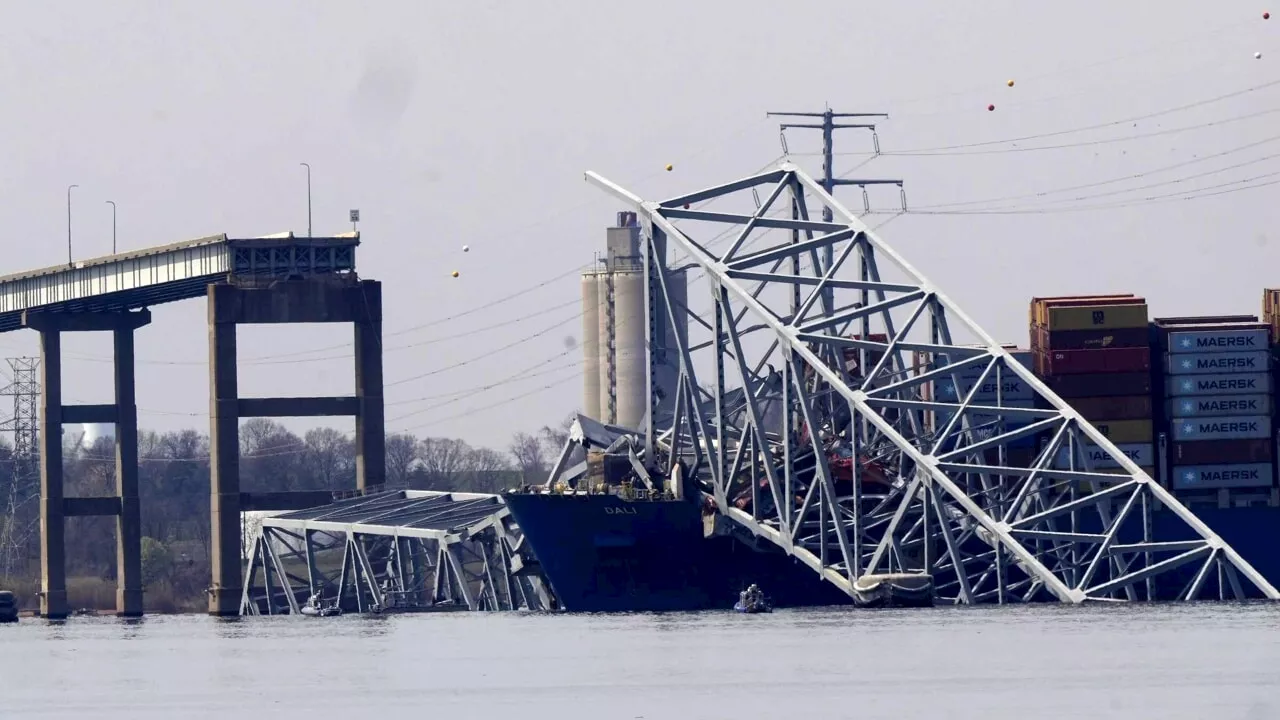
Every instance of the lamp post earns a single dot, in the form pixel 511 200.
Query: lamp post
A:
pixel 112 203
pixel 69 261
pixel 308 167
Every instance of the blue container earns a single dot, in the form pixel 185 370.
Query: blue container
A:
pixel 1012 388
pixel 1256 361
pixel 1226 384
pixel 1218 406
pixel 1214 341
pixel 1243 427
pixel 1141 454
pixel 1213 477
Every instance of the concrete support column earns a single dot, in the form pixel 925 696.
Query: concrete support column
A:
pixel 371 450
pixel 224 461
pixel 53 554
pixel 129 521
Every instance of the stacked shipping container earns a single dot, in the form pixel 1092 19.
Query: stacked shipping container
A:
pixel 1093 352
pixel 1216 400
pixel 1013 393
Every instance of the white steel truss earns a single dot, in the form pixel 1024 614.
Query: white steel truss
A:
pixel 397 551
pixel 854 416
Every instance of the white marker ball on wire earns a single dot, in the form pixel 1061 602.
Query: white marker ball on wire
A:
pixel 1257 56
pixel 466 248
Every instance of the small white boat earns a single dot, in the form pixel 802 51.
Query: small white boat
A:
pixel 316 607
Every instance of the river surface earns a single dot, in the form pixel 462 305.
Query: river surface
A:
pixel 1171 662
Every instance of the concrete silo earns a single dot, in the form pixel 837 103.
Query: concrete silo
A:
pixel 629 331
pixel 591 345
pixel 616 329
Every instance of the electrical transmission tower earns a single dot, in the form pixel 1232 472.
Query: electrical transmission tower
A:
pixel 19 520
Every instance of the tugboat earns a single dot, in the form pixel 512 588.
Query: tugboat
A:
pixel 752 600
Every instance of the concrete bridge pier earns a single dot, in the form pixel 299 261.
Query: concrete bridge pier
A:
pixel 123 413
pixel 333 300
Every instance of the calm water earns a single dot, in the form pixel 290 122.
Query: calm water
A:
pixel 1164 663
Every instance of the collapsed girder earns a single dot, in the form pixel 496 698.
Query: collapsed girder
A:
pixel 396 551
pixel 853 415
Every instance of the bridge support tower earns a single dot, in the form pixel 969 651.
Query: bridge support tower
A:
pixel 331 300
pixel 55 507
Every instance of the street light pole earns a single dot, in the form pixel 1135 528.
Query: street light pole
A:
pixel 69 261
pixel 112 203
pixel 308 167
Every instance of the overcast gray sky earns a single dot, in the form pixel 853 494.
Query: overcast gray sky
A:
pixel 471 123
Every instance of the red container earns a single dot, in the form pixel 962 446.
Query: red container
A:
pixel 1102 385
pixel 1221 452
pixel 1106 360
pixel 1044 339
pixel 1123 407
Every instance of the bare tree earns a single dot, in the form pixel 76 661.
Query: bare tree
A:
pixel 486 470
pixel 329 460
pixel 554 438
pixel 402 451
pixel 441 459
pixel 529 457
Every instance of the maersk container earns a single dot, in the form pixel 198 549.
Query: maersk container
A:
pixel 1245 427
pixel 1219 406
pixel 1253 361
pixel 1213 477
pixel 1012 387
pixel 1212 341
pixel 1221 384
pixel 1141 454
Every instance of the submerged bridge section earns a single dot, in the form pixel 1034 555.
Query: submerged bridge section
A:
pixel 803 409
pixel 394 551
pixel 276 279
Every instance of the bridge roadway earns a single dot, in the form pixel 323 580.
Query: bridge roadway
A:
pixel 274 279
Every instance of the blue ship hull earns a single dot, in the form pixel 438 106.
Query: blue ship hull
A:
pixel 603 554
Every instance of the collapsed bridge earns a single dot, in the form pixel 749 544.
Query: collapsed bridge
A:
pixel 807 412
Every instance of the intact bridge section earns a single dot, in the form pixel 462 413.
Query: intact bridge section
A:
pixel 275 279
pixel 806 410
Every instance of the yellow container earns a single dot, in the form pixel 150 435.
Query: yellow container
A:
pixel 1096 317
pixel 1125 431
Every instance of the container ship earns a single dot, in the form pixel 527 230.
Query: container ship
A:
pixel 1188 399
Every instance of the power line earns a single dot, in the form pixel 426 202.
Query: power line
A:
pixel 1103 183
pixel 1087 128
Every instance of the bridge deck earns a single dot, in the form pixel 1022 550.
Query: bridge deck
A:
pixel 168 273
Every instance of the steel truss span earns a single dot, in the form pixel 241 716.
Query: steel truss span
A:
pixel 936 452
pixel 395 551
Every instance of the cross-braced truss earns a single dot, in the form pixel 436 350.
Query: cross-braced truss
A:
pixel 398 551
pixel 882 430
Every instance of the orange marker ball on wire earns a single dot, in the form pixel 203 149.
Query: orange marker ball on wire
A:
pixel 455 273
pixel 669 167
pixel 1010 83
